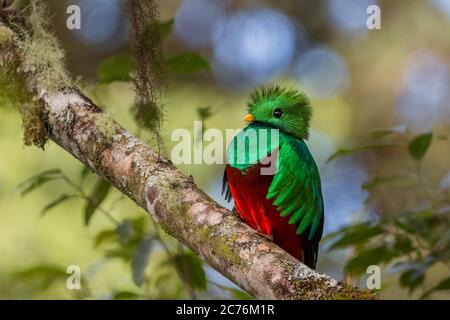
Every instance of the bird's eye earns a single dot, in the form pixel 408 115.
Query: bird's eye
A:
pixel 277 113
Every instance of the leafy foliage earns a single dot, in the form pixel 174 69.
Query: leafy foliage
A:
pixel 140 260
pixel 187 62
pixel 419 146
pixel 192 270
pixel 38 180
pixel 409 243
pixel 204 113
pixel 44 275
pixel 115 68
pixel 59 200
pixel 165 28
pixel 391 180
pixel 356 235
pixel 347 152
pixel 444 285
pixel 130 240
pixel 98 194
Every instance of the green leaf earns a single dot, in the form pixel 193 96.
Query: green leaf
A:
pixel 444 285
pixel 140 260
pixel 36 184
pixel 165 28
pixel 204 112
pixel 404 224
pixel 357 235
pixel 125 231
pixel 419 146
pixel 131 232
pixel 130 235
pixel 124 253
pixel 50 172
pixel 444 240
pixel 40 270
pixel 412 278
pixel 239 294
pixel 125 295
pixel 403 245
pixel 85 171
pixel 62 198
pixel 347 152
pixel 38 180
pixel 187 62
pixel 96 198
pixel 378 134
pixel 104 236
pixel 192 270
pixel 396 180
pixel 418 223
pixel 42 275
pixel 115 68
pixel 358 264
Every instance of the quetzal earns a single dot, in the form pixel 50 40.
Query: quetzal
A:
pixel 286 204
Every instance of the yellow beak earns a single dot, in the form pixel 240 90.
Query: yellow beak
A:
pixel 249 118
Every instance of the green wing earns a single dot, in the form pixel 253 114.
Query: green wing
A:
pixel 296 188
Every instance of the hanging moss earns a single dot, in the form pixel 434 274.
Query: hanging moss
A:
pixel 33 49
pixel 39 49
pixel 147 45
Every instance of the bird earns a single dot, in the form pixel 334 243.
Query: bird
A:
pixel 286 204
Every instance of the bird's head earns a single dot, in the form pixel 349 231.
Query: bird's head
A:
pixel 285 109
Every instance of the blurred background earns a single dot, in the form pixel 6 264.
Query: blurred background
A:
pixel 392 83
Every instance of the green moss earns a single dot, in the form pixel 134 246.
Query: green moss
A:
pixel 361 294
pixel 100 140
pixel 106 126
pixel 40 50
pixel 13 88
pixel 40 56
pixel 306 289
pixel 224 245
pixel 353 294
pixel 34 130
pixel 225 250
pixel 172 201
pixel 6 38
pixel 12 85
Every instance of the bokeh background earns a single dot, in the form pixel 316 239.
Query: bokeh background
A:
pixel 359 80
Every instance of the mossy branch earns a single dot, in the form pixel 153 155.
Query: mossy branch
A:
pixel 184 211
pixel 29 45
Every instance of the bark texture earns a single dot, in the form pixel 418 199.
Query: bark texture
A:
pixel 184 211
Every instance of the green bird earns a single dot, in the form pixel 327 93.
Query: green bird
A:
pixel 272 176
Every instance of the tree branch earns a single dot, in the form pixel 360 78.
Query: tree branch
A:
pixel 184 211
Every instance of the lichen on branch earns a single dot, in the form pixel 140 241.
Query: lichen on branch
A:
pixel 6 38
pixel 37 53
pixel 40 49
